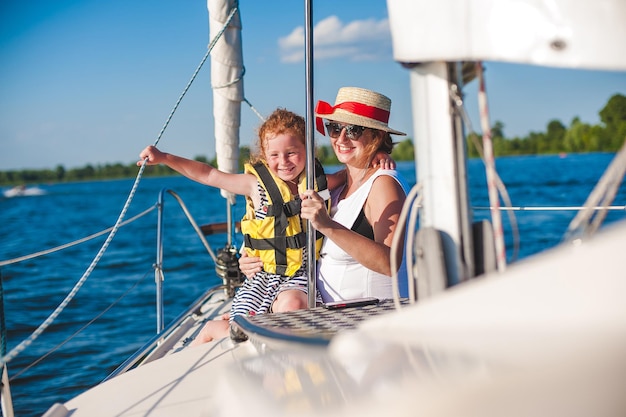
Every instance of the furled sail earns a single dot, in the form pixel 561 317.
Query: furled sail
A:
pixel 227 83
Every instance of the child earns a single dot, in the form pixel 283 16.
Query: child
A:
pixel 278 174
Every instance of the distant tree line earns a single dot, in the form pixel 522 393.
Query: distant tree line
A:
pixel 98 172
pixel 577 138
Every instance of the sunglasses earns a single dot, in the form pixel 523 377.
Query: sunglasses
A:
pixel 353 132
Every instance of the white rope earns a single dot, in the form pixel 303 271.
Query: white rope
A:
pixel 490 171
pixel 410 243
pixel 395 242
pixel 504 194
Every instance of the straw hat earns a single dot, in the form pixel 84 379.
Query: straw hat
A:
pixel 357 106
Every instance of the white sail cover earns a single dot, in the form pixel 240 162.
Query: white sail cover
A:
pixel 227 83
pixel 563 33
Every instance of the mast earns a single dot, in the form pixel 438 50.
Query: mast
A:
pixel 227 83
pixel 441 168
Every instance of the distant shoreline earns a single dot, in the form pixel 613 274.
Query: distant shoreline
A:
pixel 162 172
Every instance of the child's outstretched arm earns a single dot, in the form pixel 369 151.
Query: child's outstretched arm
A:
pixel 242 184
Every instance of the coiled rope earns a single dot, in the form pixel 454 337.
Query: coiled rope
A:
pixel 46 323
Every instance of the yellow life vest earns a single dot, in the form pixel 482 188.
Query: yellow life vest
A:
pixel 279 239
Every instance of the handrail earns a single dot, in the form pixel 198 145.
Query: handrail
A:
pixel 189 217
pixel 226 264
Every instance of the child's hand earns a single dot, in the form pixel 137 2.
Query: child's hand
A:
pixel 249 265
pixel 383 160
pixel 152 154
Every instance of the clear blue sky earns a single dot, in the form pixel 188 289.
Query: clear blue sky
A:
pixel 93 81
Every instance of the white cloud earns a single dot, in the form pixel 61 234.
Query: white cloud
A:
pixel 360 40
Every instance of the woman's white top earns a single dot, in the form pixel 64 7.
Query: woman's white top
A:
pixel 340 277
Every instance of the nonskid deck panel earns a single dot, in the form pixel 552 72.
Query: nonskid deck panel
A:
pixel 315 326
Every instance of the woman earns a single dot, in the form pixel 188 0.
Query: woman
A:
pixel 355 257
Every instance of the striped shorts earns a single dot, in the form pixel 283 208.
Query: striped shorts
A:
pixel 257 294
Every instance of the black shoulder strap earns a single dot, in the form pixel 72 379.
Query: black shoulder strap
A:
pixel 269 183
pixel 320 176
pixel 280 219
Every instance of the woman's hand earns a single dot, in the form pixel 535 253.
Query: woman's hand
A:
pixel 250 265
pixel 383 160
pixel 314 209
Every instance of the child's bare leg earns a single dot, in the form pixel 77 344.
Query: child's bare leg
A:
pixel 290 300
pixel 213 329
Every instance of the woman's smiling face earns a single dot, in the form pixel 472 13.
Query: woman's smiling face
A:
pixel 354 152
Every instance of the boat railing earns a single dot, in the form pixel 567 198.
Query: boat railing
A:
pixel 226 267
pixel 226 260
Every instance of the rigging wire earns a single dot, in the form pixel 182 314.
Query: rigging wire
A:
pixel 74 243
pixel 553 208
pixel 456 98
pixel 245 100
pixel 587 221
pixel 89 323
pixel 46 323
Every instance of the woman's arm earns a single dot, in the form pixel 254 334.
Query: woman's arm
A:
pixel 242 184
pixel 382 209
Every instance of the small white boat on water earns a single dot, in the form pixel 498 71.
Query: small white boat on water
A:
pixel 22 191
pixel 545 336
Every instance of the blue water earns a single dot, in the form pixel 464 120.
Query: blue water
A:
pixel 34 288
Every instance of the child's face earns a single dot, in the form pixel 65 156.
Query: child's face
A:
pixel 285 155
